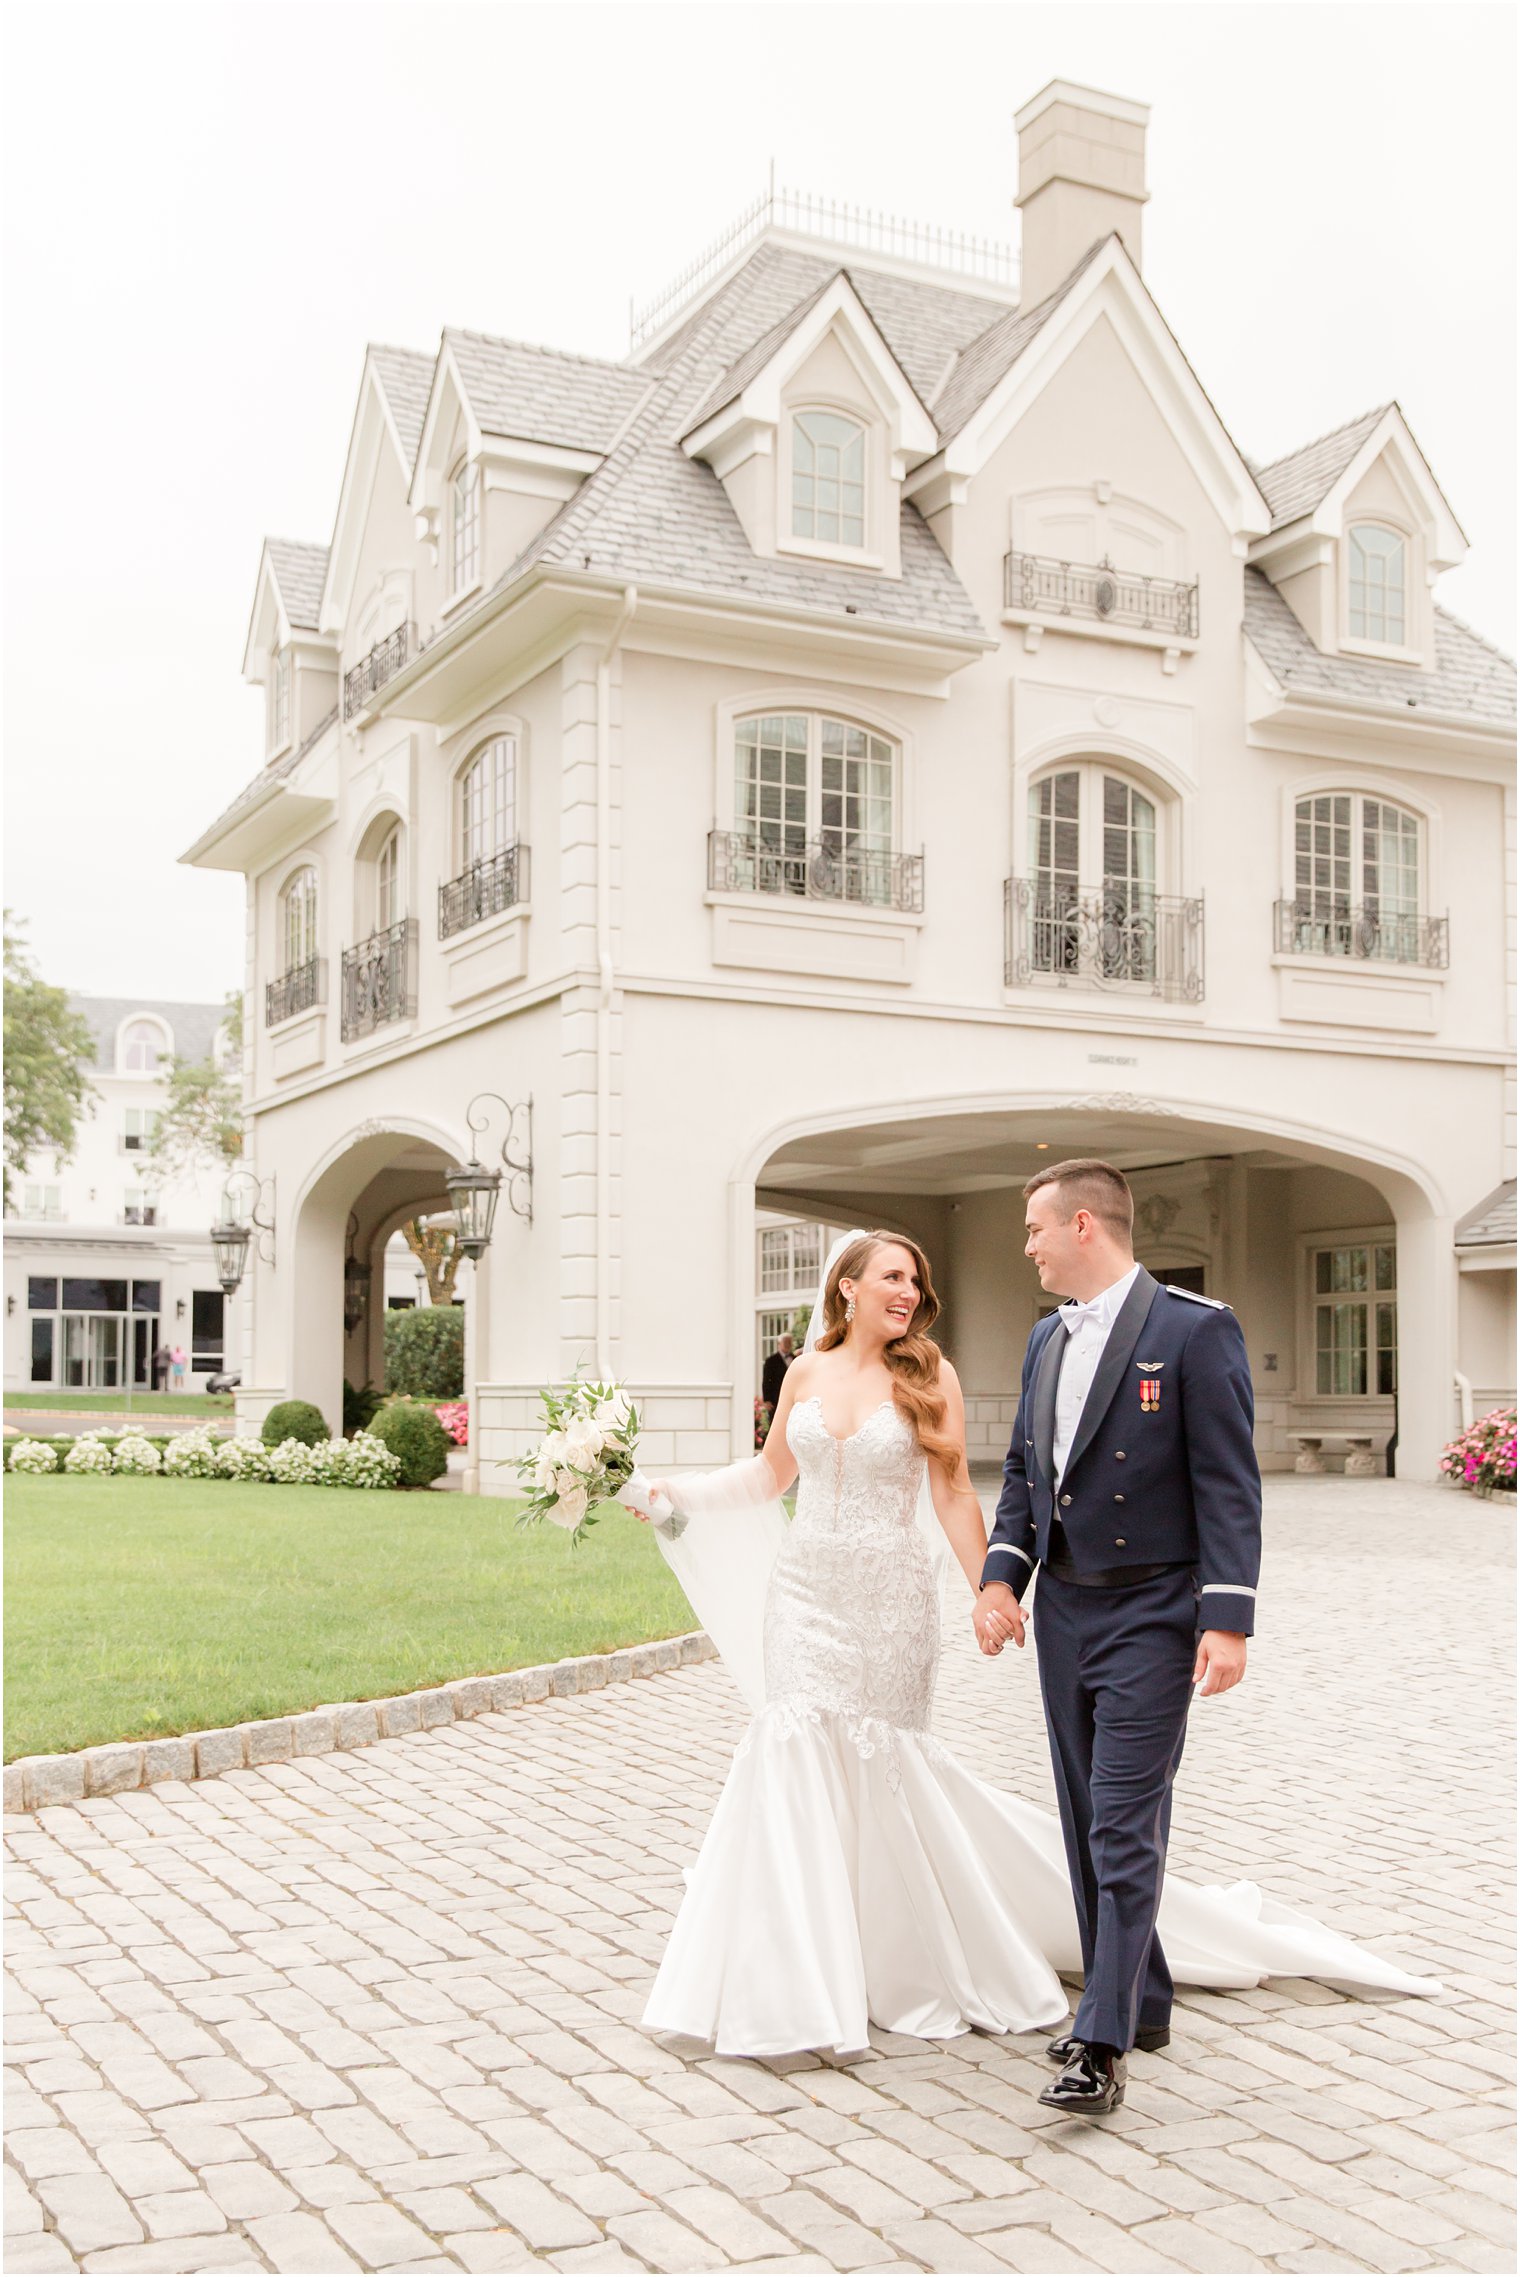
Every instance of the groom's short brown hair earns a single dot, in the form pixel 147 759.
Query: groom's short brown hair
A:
pixel 1087 1184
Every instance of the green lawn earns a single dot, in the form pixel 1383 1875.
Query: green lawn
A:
pixel 119 1403
pixel 137 1608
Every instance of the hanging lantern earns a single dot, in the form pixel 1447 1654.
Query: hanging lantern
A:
pixel 474 1192
pixel 230 1241
pixel 355 1292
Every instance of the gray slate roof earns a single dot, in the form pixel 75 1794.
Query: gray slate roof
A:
pixel 979 367
pixel 540 395
pixel 649 512
pixel 193 1026
pixel 406 375
pixel 1472 678
pixel 1295 484
pixel 1492 1223
pixel 300 571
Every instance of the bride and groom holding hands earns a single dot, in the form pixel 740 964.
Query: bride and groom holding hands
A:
pixel 854 1873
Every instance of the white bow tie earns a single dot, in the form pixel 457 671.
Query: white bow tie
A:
pixel 1075 1314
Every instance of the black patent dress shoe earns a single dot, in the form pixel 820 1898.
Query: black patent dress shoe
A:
pixel 1148 2040
pixel 1089 2086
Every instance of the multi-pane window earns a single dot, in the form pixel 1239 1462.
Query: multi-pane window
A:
pixel 814 800
pixel 138 1127
pixel 137 1209
pixel 488 802
pixel 789 1259
pixel 142 1048
pixel 298 907
pixel 93 1335
pixel 769 1326
pixel 279 700
pixel 388 888
pixel 1092 840
pixel 1356 877
pixel 1356 1319
pixel 1376 583
pixel 42 1202
pixel 464 527
pixel 828 479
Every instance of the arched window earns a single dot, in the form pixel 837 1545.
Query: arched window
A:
pixel 143 1048
pixel 828 478
pixel 1356 880
pixel 1376 584
pixel 279 700
pixel 1098 905
pixel 389 894
pixel 298 920
pixel 464 527
pixel 488 802
pixel 815 812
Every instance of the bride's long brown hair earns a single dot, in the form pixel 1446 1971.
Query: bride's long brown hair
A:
pixel 912 1358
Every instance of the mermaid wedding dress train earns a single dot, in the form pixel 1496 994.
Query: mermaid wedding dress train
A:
pixel 853 1871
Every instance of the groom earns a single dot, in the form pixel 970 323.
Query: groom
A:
pixel 1132 1483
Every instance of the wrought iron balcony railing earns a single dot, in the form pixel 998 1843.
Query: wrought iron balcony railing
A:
pixel 380 980
pixel 1122 937
pixel 828 869
pixel 483 890
pixel 1043 587
pixel 369 675
pixel 298 990
pixel 1309 927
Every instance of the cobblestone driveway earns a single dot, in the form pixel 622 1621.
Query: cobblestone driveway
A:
pixel 379 2010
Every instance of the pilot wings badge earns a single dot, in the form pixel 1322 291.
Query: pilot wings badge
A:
pixel 1150 1385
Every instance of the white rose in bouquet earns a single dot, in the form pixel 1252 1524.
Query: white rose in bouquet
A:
pixel 584 1444
pixel 613 1415
pixel 569 1509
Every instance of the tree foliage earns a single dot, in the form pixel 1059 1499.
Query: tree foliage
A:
pixel 424 1351
pixel 436 1249
pixel 201 1119
pixel 47 1049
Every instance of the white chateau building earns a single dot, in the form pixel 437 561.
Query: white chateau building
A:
pixel 880 738
pixel 104 1258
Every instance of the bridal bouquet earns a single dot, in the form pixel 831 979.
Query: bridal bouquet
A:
pixel 587 1457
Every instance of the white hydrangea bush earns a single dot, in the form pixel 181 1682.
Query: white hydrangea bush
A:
pixel 136 1457
pixel 367 1461
pixel 34 1456
pixel 292 1463
pixel 88 1454
pixel 326 1466
pixel 192 1454
pixel 242 1458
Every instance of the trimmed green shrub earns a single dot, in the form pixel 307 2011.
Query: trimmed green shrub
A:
pixel 358 1407
pixel 294 1419
pixel 416 1438
pixel 424 1352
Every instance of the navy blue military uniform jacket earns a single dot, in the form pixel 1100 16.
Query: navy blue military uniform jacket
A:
pixel 1162 1469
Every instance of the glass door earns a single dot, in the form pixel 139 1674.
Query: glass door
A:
pixel 106 1347
pixel 75 1363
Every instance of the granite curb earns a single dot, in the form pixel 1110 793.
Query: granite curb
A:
pixel 32 1782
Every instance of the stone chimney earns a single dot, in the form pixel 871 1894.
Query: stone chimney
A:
pixel 1081 175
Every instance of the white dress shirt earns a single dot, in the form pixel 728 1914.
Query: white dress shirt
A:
pixel 1087 1331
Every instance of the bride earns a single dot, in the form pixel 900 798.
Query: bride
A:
pixel 853 1872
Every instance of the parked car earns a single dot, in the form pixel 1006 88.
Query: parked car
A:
pixel 223 1383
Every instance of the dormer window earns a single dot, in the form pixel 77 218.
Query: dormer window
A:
pixel 143 1048
pixel 279 700
pixel 1375 586
pixel 828 479
pixel 464 527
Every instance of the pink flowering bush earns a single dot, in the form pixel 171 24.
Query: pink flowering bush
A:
pixel 1483 1457
pixel 454 1415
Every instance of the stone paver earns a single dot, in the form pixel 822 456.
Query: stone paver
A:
pixel 379 2010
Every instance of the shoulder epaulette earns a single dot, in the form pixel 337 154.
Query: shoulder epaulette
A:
pixel 1217 1304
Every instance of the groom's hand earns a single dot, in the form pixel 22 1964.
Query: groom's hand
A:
pixel 997 1617
pixel 1221 1662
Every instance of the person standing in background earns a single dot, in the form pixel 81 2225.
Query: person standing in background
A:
pixel 162 1362
pixel 181 1361
pixel 774 1371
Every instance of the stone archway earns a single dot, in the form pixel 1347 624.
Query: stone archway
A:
pixel 1235 1200
pixel 380 1175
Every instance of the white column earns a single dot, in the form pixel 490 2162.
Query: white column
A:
pixel 1427 1277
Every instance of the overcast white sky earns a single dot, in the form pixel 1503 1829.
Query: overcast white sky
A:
pixel 211 207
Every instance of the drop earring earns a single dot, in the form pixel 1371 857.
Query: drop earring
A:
pixel 849 1311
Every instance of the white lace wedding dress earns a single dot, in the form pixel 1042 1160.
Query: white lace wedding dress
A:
pixel 853 1872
